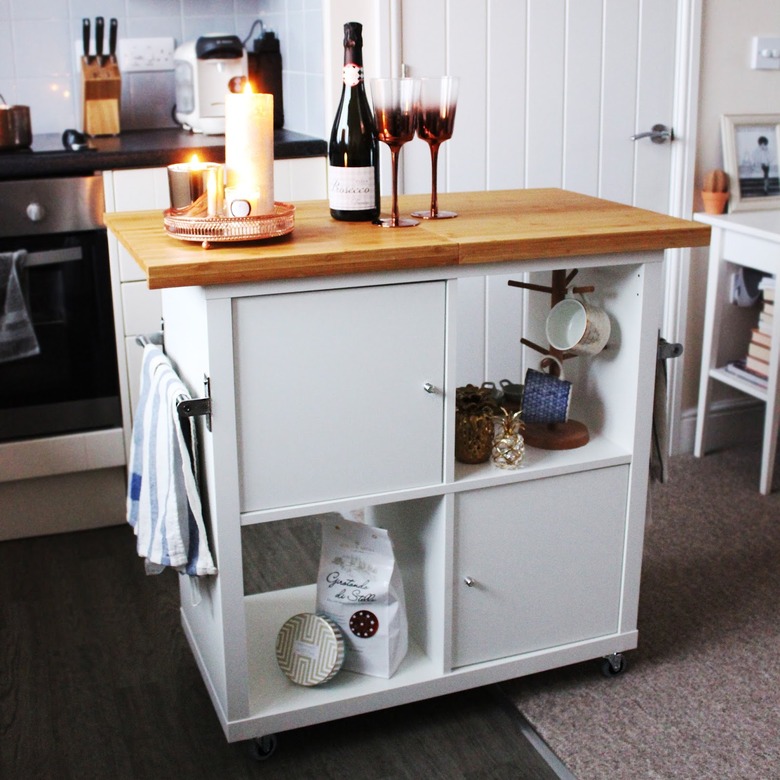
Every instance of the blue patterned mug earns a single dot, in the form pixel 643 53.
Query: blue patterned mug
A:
pixel 546 398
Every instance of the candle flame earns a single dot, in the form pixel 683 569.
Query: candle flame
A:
pixel 195 163
pixel 248 88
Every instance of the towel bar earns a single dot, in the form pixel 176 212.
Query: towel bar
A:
pixel 151 338
pixel 195 407
pixel 190 407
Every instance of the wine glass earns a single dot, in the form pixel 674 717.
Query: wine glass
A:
pixel 395 116
pixel 435 123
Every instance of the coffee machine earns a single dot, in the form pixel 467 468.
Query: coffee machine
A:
pixel 203 70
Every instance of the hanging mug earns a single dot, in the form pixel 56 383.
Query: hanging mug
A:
pixel 577 327
pixel 546 398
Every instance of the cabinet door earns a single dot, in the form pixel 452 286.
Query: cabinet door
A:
pixel 545 561
pixel 330 392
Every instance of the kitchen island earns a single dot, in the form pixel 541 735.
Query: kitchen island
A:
pixel 331 358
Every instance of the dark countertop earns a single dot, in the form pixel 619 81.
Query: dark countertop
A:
pixel 137 149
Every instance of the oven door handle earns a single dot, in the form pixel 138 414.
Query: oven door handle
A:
pixel 53 256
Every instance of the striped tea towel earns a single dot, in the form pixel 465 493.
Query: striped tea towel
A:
pixel 17 337
pixel 163 502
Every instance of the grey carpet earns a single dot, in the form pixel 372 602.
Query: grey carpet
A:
pixel 701 695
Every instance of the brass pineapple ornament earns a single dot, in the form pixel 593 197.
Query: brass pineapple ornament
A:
pixel 509 444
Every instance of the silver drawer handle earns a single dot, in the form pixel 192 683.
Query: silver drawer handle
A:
pixel 429 388
pixel 470 582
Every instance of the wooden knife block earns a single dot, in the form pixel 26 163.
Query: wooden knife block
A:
pixel 101 90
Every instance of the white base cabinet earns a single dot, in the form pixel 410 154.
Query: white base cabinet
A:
pixel 538 564
pixel 338 394
pixel 374 425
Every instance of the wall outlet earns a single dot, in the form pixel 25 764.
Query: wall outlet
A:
pixel 145 54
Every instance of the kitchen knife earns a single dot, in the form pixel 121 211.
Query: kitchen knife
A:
pixel 99 25
pixel 112 31
pixel 86 34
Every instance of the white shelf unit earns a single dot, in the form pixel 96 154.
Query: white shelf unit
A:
pixel 751 240
pixel 326 376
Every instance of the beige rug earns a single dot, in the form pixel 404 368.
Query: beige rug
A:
pixel 701 695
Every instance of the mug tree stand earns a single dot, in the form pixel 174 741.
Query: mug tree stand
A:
pixel 559 435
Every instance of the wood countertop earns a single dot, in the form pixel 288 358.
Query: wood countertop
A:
pixel 491 227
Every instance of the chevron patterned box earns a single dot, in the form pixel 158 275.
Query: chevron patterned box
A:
pixel 310 649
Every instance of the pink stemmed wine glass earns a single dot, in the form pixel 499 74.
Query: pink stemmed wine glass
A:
pixel 395 116
pixel 435 123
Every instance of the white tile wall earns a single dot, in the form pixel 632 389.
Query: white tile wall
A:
pixel 38 65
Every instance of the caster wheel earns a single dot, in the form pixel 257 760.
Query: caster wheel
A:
pixel 262 748
pixel 613 665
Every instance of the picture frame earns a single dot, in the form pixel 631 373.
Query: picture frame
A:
pixel 751 143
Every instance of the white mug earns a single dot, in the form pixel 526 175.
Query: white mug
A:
pixel 576 326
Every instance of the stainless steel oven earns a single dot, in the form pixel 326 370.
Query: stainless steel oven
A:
pixel 71 386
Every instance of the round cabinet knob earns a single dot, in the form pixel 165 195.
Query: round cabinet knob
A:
pixel 35 212
pixel 470 582
pixel 429 388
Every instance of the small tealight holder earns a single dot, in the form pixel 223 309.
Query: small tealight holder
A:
pixel 188 181
pixel 241 201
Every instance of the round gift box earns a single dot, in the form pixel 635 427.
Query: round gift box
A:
pixel 310 649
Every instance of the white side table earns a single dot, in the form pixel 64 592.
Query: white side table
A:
pixel 750 239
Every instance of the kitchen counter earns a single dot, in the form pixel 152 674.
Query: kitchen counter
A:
pixel 492 227
pixel 137 149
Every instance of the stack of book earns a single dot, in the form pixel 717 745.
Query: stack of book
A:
pixel 755 366
pixel 761 337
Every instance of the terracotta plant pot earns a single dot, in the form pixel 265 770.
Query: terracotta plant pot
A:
pixel 715 202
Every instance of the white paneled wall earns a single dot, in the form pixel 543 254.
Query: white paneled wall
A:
pixel 551 93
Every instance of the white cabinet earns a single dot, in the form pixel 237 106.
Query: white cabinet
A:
pixel 350 395
pixel 538 564
pixel 319 399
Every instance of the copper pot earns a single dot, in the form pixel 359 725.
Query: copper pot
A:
pixel 15 128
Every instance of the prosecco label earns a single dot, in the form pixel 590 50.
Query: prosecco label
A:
pixel 351 189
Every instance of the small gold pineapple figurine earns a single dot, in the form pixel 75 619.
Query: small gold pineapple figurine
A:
pixel 509 445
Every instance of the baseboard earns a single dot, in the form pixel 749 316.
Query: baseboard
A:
pixel 731 422
pixel 62 503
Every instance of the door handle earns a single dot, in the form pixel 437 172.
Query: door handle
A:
pixel 658 134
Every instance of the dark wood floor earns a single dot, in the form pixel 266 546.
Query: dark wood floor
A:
pixel 97 681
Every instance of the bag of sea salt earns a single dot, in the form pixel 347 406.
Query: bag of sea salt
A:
pixel 359 587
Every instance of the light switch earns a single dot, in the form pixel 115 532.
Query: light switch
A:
pixel 765 54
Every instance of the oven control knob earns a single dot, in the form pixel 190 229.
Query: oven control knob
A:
pixel 35 212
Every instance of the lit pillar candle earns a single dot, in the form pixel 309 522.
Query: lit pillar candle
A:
pixel 188 181
pixel 249 145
